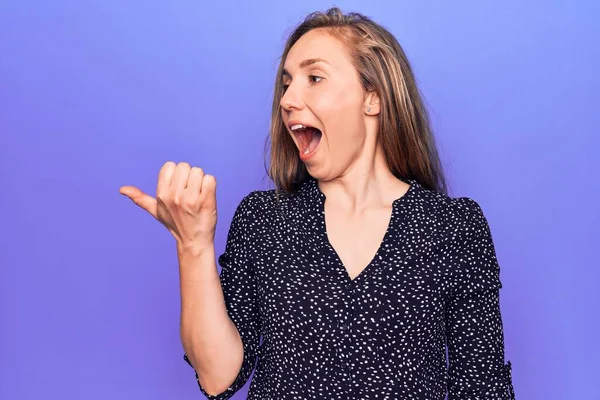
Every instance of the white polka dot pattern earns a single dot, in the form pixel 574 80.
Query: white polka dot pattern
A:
pixel 421 321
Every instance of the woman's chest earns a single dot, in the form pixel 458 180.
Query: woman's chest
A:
pixel 304 284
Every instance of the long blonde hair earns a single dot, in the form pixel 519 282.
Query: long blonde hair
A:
pixel 404 127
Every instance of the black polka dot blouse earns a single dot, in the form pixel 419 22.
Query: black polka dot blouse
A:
pixel 422 320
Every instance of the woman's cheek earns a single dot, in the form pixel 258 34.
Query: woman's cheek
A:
pixel 323 103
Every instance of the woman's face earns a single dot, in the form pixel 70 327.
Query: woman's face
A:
pixel 324 92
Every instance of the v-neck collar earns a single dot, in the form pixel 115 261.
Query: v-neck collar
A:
pixel 316 197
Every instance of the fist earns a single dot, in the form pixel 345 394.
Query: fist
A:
pixel 185 203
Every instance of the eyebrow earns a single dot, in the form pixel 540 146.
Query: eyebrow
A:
pixel 305 64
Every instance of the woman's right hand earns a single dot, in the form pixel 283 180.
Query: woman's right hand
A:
pixel 185 204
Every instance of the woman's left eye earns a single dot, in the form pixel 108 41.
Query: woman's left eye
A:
pixel 313 77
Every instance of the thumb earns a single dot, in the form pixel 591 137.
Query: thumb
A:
pixel 140 198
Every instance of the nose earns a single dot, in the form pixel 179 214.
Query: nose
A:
pixel 291 100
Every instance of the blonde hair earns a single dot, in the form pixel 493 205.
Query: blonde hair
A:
pixel 404 128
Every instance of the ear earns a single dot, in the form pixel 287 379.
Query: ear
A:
pixel 372 104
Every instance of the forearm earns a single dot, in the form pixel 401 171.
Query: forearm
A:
pixel 209 337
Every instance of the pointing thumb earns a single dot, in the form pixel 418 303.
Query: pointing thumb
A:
pixel 140 198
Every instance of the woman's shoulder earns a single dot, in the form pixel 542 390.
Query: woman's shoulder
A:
pixel 437 199
pixel 266 202
pixel 264 199
pixel 271 199
pixel 454 210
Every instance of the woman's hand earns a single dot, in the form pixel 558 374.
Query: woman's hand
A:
pixel 185 204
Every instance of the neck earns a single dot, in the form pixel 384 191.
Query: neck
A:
pixel 368 183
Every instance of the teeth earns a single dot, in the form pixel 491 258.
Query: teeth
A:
pixel 297 126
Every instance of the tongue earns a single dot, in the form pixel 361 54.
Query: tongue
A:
pixel 314 141
pixel 309 139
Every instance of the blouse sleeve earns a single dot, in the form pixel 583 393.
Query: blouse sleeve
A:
pixel 474 328
pixel 240 292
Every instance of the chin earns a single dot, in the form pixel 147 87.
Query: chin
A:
pixel 318 172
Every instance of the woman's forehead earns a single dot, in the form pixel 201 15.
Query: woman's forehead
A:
pixel 319 46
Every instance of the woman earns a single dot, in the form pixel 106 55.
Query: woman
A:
pixel 359 269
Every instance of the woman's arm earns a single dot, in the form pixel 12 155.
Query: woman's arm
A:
pixel 474 328
pixel 220 329
pixel 476 348
pixel 211 341
pixel 219 317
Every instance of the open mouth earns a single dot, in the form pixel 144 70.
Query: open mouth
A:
pixel 308 137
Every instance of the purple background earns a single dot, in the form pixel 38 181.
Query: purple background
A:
pixel 99 94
